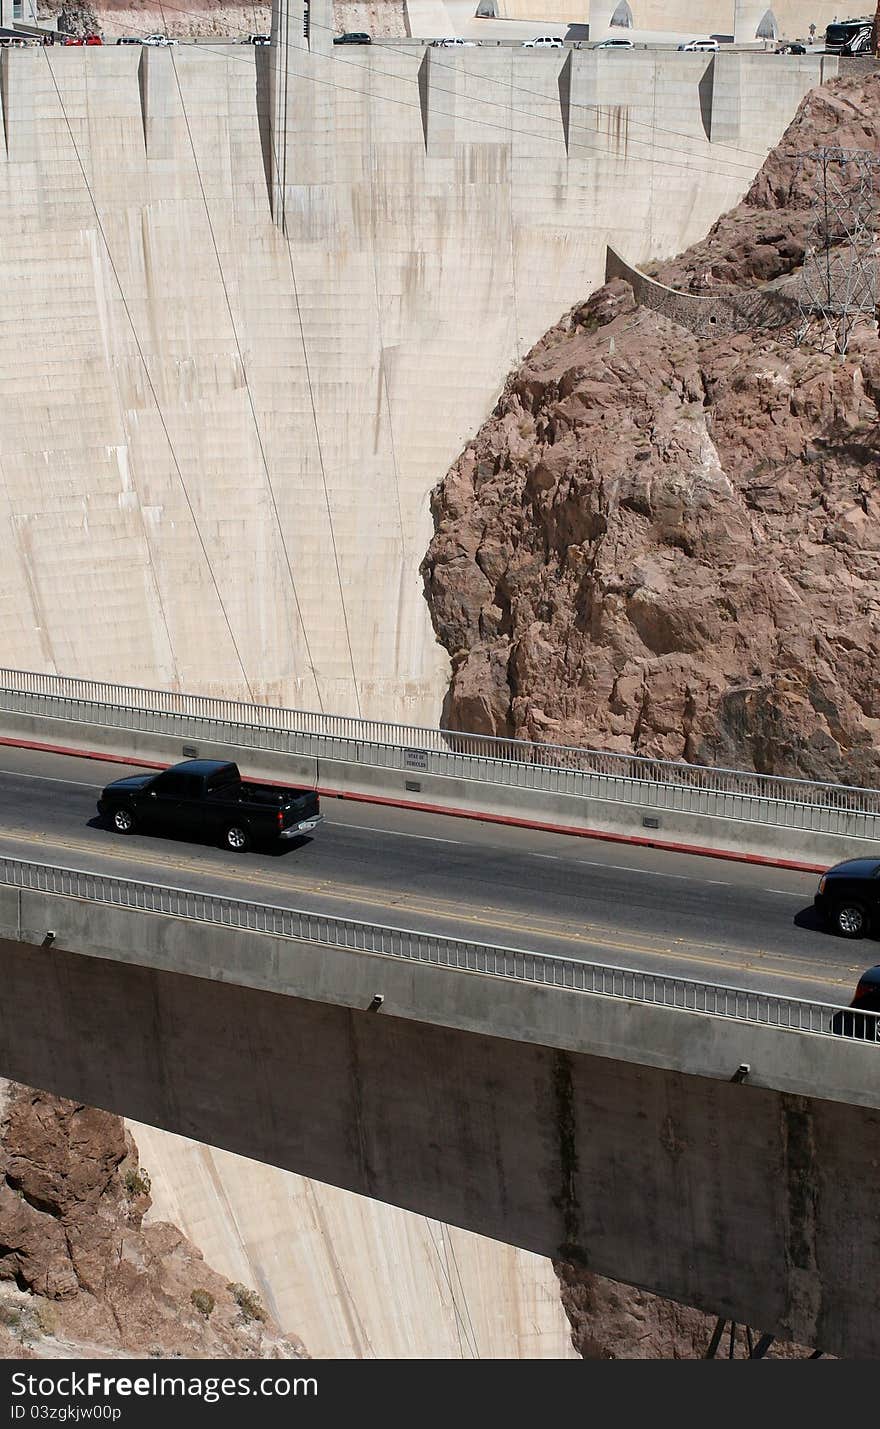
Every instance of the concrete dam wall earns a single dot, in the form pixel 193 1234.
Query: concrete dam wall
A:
pixel 255 302
pixel 250 316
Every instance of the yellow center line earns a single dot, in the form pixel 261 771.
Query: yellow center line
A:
pixel 584 935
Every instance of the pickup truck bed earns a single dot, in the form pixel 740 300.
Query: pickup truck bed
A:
pixel 208 799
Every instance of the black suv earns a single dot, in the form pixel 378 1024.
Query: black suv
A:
pixel 848 896
pixel 851 1022
pixel 354 37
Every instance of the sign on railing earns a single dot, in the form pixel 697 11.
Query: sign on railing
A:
pixel 566 974
pixel 130 706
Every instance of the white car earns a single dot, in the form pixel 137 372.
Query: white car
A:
pixel 615 45
pixel 543 42
pixel 446 43
pixel 711 45
pixel 159 40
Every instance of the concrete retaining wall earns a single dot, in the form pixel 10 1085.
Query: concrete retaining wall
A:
pixel 455 795
pixel 745 1200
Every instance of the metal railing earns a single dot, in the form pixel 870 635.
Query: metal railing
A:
pixel 518 964
pixel 637 780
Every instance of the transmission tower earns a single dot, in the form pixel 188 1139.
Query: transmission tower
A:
pixel 838 287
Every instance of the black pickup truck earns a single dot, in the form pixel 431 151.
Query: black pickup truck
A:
pixel 208 799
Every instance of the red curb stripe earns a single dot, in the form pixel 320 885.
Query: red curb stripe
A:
pixel 484 818
pixel 82 753
pixel 601 834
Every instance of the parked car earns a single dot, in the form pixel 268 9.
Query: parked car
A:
pixel 353 37
pixel 129 40
pixel 848 896
pixel 614 45
pixel 543 42
pixel 207 798
pixel 792 47
pixel 159 40
pixel 445 44
pixel 257 40
pixel 73 40
pixel 850 1022
pixel 690 45
pixel 93 40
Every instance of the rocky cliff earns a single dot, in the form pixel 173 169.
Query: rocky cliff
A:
pixel 670 545
pixel 81 1275
pixel 205 18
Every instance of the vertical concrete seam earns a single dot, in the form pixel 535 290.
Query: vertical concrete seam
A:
pixel 803 1283
pixel 383 380
pixel 5 57
pixel 511 181
pixel 354 1065
pixel 150 384
pixel 566 1199
pixel 564 81
pixel 143 91
pixel 247 382
pixel 422 80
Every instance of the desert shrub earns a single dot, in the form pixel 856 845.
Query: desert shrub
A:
pixel 248 1301
pixel 137 1182
pixel 203 1301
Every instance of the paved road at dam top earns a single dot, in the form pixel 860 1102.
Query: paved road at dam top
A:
pixel 646 909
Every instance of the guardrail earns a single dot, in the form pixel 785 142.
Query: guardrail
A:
pixel 622 779
pixel 567 974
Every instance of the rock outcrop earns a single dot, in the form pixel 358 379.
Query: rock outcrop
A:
pixel 81 1275
pixel 610 1321
pixel 204 18
pixel 670 545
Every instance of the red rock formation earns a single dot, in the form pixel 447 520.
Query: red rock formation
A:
pixel 80 1273
pixel 610 1321
pixel 671 545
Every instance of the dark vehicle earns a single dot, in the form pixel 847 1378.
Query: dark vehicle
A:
pixel 355 37
pixel 848 896
pixel 851 1022
pixel 208 799
pixel 129 40
pixel 257 40
pixel 792 47
pixel 840 35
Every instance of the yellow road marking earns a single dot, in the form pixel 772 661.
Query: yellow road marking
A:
pixel 590 935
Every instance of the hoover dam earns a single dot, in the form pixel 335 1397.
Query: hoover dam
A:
pixel 255 304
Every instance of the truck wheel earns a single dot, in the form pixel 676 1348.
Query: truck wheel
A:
pixel 124 821
pixel 236 838
pixel 851 920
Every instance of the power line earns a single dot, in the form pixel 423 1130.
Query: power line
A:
pixel 839 274
pixel 155 397
pixel 256 423
pixel 490 79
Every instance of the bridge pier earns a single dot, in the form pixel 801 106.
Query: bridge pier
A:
pixel 743 1201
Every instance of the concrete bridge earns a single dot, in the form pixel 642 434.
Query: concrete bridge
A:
pixel 718 1150
pixel 711 1144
